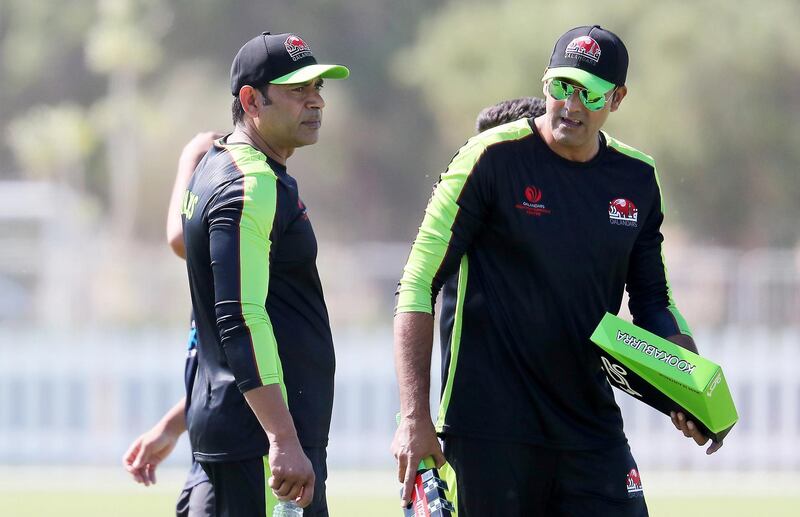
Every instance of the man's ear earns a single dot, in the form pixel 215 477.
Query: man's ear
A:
pixel 616 99
pixel 248 97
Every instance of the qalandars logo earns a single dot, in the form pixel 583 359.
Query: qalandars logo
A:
pixel 623 212
pixel 634 483
pixel 584 46
pixel 302 207
pixel 296 47
pixel 532 204
pixel 533 194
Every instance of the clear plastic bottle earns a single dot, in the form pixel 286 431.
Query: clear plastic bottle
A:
pixel 287 509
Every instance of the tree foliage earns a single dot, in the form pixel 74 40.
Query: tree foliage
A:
pixel 712 97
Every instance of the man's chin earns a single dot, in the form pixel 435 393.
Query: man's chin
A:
pixel 308 139
pixel 567 138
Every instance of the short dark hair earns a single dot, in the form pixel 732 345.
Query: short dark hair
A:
pixel 237 111
pixel 509 111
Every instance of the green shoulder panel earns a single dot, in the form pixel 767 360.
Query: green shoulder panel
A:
pixel 258 214
pixel 435 233
pixel 638 155
pixel 646 158
pixel 628 150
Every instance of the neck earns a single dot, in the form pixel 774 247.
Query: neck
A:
pixel 583 153
pixel 248 134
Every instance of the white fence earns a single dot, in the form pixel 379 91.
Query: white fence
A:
pixel 69 400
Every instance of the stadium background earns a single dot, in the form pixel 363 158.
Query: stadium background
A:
pixel 97 97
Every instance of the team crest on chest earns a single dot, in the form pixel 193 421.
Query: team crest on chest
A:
pixel 532 202
pixel 623 212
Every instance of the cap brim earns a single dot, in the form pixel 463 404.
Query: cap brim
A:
pixel 590 81
pixel 310 72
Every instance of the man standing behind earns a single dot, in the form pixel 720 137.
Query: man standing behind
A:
pixel 508 111
pixel 525 215
pixel 264 336
pixel 154 446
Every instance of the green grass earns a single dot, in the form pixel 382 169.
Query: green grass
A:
pixel 72 504
pixel 724 506
pixel 31 503
pixel 41 491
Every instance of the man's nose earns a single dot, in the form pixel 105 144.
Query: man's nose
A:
pixel 573 102
pixel 316 100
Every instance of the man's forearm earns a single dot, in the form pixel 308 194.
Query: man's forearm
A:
pixel 269 407
pixel 413 341
pixel 186 166
pixel 174 421
pixel 191 155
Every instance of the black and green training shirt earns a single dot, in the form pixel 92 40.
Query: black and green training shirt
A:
pixel 258 304
pixel 531 250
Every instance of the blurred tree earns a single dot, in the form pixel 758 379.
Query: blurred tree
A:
pixel 53 143
pixel 41 60
pixel 103 94
pixel 123 44
pixel 150 73
pixel 712 85
pixel 147 74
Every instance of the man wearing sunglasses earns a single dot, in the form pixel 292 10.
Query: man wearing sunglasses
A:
pixel 532 233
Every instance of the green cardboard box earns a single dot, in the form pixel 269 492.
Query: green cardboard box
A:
pixel 665 376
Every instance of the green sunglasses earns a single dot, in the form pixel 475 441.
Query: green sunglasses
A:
pixel 560 90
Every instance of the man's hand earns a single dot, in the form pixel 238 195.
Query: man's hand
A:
pixel 146 452
pixel 690 430
pixel 151 448
pixel 191 155
pixel 197 147
pixel 679 420
pixel 413 441
pixel 292 474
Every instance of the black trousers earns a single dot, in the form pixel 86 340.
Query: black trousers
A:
pixel 513 479
pixel 241 489
pixel 196 501
pixel 197 497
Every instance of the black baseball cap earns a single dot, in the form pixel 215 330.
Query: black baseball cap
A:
pixel 278 59
pixel 591 56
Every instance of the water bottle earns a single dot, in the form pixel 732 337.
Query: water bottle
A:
pixel 287 509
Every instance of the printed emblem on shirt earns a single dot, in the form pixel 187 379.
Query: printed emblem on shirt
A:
pixel 623 212
pixel 532 204
pixel 303 210
pixel 296 47
pixel 189 203
pixel 634 483
pixel 584 46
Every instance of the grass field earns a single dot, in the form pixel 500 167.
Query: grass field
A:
pixel 70 504
pixel 95 493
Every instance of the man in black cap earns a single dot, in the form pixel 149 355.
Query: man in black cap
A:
pixel 261 402
pixel 533 232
